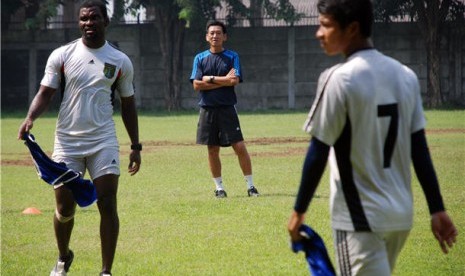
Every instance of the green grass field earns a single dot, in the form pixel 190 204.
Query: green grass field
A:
pixel 171 223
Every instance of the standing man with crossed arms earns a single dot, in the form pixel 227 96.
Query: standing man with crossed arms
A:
pixel 88 71
pixel 214 74
pixel 368 117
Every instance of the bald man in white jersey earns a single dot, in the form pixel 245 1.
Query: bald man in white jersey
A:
pixel 368 118
pixel 88 72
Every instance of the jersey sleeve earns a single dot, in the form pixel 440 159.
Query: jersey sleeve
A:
pixel 125 85
pixel 331 113
pixel 322 80
pixel 314 166
pixel 196 70
pixel 52 74
pixel 418 118
pixel 237 66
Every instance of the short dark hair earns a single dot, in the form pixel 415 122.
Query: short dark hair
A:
pixel 96 3
pixel 348 11
pixel 216 23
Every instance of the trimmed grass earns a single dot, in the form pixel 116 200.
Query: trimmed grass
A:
pixel 171 224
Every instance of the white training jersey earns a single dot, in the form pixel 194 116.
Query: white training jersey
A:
pixel 88 79
pixel 369 108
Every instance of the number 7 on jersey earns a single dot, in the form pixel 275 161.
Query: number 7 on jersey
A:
pixel 389 110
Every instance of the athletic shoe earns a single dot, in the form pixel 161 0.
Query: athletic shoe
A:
pixel 252 191
pixel 220 193
pixel 105 274
pixel 61 267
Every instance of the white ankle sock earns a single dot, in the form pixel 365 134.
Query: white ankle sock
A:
pixel 218 183
pixel 249 181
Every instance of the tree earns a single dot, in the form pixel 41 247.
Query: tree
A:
pixel 170 26
pixel 431 17
pixel 259 9
pixel 9 7
pixel 37 12
pixel 171 19
pixel 118 11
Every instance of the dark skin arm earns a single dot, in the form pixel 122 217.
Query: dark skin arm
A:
pixel 39 104
pixel 130 120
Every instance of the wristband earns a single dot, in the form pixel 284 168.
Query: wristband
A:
pixel 136 147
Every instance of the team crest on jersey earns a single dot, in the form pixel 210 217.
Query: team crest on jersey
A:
pixel 109 70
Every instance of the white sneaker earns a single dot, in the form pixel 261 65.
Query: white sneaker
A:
pixel 59 269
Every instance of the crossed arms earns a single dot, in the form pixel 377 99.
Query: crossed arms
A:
pixel 214 82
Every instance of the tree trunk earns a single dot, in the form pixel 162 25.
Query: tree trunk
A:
pixel 118 11
pixel 434 97
pixel 171 31
pixel 256 16
pixel 431 17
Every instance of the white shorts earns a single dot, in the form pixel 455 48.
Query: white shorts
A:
pixel 368 253
pixel 103 162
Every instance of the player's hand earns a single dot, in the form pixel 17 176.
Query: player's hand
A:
pixel 293 226
pixel 232 78
pixel 25 127
pixel 444 230
pixel 134 162
pixel 231 73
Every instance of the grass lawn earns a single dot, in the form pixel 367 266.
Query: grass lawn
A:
pixel 171 223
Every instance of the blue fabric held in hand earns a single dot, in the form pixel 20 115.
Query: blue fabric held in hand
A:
pixel 58 174
pixel 315 252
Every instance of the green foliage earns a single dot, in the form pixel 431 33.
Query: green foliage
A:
pixel 236 10
pixel 47 9
pixel 431 17
pixel 171 224
pixel 282 10
pixel 385 10
pixel 9 7
pixel 457 12
pixel 197 12
pixel 118 10
pixel 38 12
pixel 278 10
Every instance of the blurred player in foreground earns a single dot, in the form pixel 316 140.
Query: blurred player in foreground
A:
pixel 368 117
pixel 87 72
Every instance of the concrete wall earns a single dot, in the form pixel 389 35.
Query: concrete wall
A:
pixel 281 65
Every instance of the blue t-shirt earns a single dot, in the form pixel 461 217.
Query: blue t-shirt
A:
pixel 216 64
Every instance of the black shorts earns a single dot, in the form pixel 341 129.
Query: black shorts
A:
pixel 218 126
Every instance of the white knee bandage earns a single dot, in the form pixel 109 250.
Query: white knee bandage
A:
pixel 61 218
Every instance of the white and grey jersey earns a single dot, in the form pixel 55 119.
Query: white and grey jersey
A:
pixel 370 107
pixel 88 79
